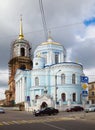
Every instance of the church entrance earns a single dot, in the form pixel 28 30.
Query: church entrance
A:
pixel 43 105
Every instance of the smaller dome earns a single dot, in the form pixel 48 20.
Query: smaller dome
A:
pixel 38 63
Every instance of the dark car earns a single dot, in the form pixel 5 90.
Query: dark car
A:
pixel 46 111
pixel 75 108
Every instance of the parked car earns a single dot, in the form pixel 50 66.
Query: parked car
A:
pixel 75 108
pixel 2 110
pixel 91 108
pixel 46 111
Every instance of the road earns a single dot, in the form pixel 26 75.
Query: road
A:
pixel 14 120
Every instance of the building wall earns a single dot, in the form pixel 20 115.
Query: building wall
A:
pixel 47 82
pixel 91 88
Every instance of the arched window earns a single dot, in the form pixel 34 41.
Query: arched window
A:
pixel 37 96
pixel 36 81
pixel 45 56
pixel 22 51
pixel 63 96
pixel 74 97
pixel 62 79
pixel 55 79
pixel 73 78
pixel 22 67
pixel 56 57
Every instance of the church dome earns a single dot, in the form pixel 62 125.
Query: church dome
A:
pixel 53 52
pixel 50 41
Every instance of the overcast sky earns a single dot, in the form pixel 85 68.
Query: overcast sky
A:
pixel 72 23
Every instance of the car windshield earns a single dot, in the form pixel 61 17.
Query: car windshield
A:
pixel 92 106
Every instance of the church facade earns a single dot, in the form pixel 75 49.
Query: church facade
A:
pixel 52 81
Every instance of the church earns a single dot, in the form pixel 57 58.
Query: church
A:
pixel 47 79
pixel 52 81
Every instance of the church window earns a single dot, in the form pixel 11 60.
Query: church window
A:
pixel 37 96
pixel 36 81
pixel 73 78
pixel 63 96
pixel 62 79
pixel 22 52
pixel 22 67
pixel 44 55
pixel 74 97
pixel 25 79
pixel 55 79
pixel 36 63
pixel 56 58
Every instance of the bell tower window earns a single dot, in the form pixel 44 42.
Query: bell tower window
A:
pixel 22 52
pixel 22 67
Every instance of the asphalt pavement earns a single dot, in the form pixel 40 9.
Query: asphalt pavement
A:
pixel 82 115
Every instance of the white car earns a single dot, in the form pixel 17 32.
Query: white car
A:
pixel 91 108
pixel 2 110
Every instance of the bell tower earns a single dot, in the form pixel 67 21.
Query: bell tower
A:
pixel 20 59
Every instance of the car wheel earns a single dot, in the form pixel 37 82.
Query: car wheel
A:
pixel 49 114
pixel 54 113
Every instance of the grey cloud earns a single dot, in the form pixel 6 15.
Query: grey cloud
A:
pixel 58 14
pixel 85 54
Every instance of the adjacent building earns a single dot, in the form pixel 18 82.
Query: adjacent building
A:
pixel 91 97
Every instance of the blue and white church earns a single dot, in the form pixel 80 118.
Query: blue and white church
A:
pixel 53 81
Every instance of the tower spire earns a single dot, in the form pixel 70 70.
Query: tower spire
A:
pixel 21 36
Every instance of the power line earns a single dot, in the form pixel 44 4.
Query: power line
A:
pixel 50 28
pixel 43 18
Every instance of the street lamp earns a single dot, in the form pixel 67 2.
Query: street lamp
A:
pixel 56 88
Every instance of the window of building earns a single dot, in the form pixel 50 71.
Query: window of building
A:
pixel 92 93
pixel 93 101
pixel 36 63
pixel 63 96
pixel 25 79
pixel 73 78
pixel 92 86
pixel 36 81
pixel 37 96
pixel 22 67
pixel 74 97
pixel 44 54
pixel 55 79
pixel 56 58
pixel 22 51
pixel 62 79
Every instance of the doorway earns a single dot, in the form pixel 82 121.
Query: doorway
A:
pixel 43 105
